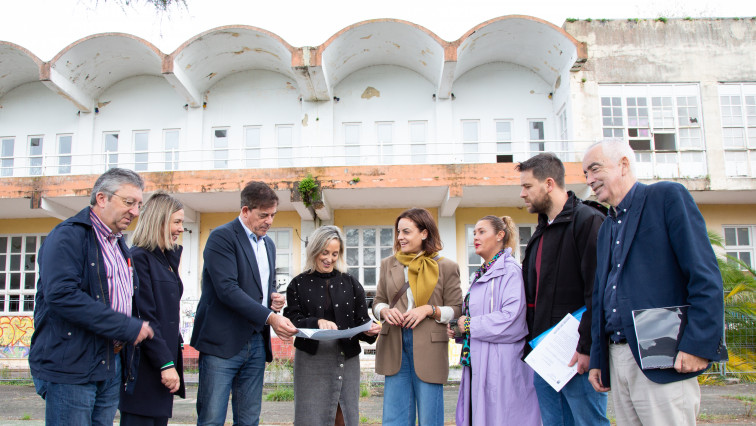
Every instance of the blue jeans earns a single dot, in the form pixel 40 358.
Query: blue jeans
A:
pixel 404 394
pixel 241 375
pixel 576 404
pixel 93 403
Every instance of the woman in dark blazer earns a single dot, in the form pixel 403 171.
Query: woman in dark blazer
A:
pixel 147 397
pixel 327 373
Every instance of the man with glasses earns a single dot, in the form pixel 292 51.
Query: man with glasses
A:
pixel 83 307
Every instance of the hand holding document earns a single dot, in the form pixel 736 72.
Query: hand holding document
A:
pixel 321 334
pixel 554 352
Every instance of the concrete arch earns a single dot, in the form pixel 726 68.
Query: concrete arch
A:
pixel 17 66
pixel 381 42
pixel 523 40
pixel 217 53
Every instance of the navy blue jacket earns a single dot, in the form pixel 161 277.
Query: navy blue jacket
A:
pixel 160 304
pixel 231 307
pixel 74 324
pixel 667 260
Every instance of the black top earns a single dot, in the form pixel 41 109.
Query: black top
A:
pixel 335 296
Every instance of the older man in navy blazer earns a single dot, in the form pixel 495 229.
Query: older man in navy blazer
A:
pixel 653 251
pixel 236 311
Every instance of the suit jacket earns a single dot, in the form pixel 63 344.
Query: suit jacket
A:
pixel 231 307
pixel 430 343
pixel 667 260
pixel 160 304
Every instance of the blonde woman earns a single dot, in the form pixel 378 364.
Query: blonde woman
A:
pixel 327 373
pixel 147 398
pixel 497 386
pixel 418 292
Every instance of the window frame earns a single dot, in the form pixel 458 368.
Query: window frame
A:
pixel 25 295
pixel 361 266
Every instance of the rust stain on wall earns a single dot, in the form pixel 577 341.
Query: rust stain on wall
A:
pixel 244 49
pixel 370 92
pixel 367 37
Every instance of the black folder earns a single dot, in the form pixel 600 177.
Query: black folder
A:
pixel 659 331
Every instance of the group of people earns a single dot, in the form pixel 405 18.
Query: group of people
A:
pixel 107 316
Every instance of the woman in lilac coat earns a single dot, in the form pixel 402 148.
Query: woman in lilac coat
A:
pixel 497 386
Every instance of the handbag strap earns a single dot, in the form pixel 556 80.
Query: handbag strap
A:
pixel 404 288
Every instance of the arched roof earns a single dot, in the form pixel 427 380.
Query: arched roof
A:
pixel 95 63
pixel 381 42
pixel 217 53
pixel 17 66
pixel 530 42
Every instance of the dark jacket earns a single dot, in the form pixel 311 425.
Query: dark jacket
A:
pixel 74 324
pixel 666 260
pixel 231 308
pixel 568 267
pixel 348 300
pixel 160 304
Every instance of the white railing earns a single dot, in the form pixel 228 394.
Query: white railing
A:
pixel 676 164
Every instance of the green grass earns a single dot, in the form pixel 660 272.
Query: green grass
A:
pixel 368 420
pixel 283 393
pixel 364 389
pixel 26 417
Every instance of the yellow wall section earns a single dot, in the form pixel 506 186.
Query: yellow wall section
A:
pixel 382 217
pixel 718 215
pixel 28 226
pixel 287 219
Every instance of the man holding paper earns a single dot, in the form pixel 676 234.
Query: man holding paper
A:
pixel 558 270
pixel 652 252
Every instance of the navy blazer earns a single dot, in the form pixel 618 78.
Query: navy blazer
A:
pixel 160 304
pixel 667 260
pixel 231 307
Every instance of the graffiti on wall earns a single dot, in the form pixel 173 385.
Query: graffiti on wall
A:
pixel 15 337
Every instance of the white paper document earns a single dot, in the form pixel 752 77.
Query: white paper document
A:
pixel 550 358
pixel 318 334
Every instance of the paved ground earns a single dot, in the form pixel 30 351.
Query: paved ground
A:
pixel 21 406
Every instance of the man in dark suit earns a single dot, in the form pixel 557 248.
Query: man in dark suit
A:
pixel 236 311
pixel 652 251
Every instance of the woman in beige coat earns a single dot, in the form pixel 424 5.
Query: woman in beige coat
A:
pixel 418 293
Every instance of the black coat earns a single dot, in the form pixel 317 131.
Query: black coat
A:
pixel 160 302
pixel 568 268
pixel 305 306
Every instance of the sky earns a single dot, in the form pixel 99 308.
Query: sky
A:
pixel 45 27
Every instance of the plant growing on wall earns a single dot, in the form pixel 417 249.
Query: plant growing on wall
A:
pixel 308 190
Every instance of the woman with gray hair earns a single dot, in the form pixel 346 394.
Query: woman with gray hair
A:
pixel 327 373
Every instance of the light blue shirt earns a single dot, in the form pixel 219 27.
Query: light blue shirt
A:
pixel 261 256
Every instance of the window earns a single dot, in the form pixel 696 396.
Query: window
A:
pixel 282 239
pixel 504 136
pixel 141 156
pixel 738 108
pixel 171 142
pixel 111 150
pixel 418 140
pixel 64 154
pixel 661 123
pixel 365 247
pixel 739 243
pixel 18 272
pixel 252 146
pixel 35 155
pixel 352 143
pixel 385 137
pixel 6 156
pixel 537 136
pixel 470 138
pixel 285 141
pixel 525 231
pixel 220 148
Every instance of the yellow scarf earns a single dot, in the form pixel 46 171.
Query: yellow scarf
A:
pixel 422 272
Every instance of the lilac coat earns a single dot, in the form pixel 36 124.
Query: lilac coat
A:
pixel 502 384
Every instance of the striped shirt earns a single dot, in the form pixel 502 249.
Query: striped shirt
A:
pixel 120 281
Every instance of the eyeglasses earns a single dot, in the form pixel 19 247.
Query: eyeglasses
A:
pixel 129 202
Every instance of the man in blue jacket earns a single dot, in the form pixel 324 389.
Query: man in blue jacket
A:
pixel 82 312
pixel 652 252
pixel 236 311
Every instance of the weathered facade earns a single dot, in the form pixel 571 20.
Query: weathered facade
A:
pixel 384 115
